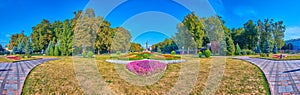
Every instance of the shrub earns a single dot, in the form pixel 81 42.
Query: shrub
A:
pixel 237 49
pixel 29 56
pixel 90 54
pixel 51 51
pixel 118 52
pixel 173 52
pixel 264 55
pixel 22 56
pixel 200 54
pixel 146 56
pixel 207 53
pixel 247 52
pixel 56 51
pixel 84 55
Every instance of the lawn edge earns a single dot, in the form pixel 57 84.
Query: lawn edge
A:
pixel 34 68
pixel 266 83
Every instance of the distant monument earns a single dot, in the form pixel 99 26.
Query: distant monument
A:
pixel 146 49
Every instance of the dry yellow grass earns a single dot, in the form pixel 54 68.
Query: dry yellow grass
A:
pixel 58 77
pixel 54 77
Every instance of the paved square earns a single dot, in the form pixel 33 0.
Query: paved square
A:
pixel 13 75
pixel 283 76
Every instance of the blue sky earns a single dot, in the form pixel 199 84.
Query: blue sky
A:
pixel 141 16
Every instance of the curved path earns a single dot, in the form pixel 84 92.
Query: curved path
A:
pixel 13 75
pixel 283 76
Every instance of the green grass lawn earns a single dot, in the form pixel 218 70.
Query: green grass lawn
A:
pixel 3 59
pixel 58 77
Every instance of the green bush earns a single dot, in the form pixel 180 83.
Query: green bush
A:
pixel 247 52
pixel 90 54
pixel 22 56
pixel 200 54
pixel 207 53
pixel 146 56
pixel 29 56
pixel 173 52
pixel 264 55
pixel 56 51
pixel 118 52
pixel 84 55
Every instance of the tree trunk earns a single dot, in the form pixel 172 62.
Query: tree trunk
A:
pixel 188 50
pixel 108 51
pixel 98 52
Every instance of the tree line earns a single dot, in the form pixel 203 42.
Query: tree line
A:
pixel 87 32
pixel 210 32
pixel 84 32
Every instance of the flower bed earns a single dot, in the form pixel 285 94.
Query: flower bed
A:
pixel 13 57
pixel 146 67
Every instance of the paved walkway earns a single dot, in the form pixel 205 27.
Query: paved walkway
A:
pixel 283 76
pixel 13 75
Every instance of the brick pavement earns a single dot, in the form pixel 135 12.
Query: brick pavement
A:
pixel 283 76
pixel 13 75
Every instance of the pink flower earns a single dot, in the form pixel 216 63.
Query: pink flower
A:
pixel 146 67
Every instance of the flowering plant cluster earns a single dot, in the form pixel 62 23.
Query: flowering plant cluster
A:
pixel 14 57
pixel 146 67
pixel 166 57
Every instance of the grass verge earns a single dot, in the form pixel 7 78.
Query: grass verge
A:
pixel 289 57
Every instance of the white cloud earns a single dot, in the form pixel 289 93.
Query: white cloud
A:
pixel 292 33
pixel 7 35
pixel 245 11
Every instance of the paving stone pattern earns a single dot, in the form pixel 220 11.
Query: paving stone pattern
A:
pixel 283 76
pixel 13 75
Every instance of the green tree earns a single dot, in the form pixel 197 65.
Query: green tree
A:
pixel 57 28
pixel 214 28
pixel 250 35
pixel 267 47
pixel 50 45
pixel 196 27
pixel 56 51
pixel 258 50
pixel 238 49
pixel 66 39
pixel 121 40
pixel 266 41
pixel 1 49
pixel 14 50
pixel 21 48
pixel 51 51
pixel 41 35
pixel 275 49
pixel 184 39
pixel 230 46
pixel 85 31
pixel 278 30
pixel 105 36
pixel 158 50
pixel 28 48
pixel 135 47
pixel 16 39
